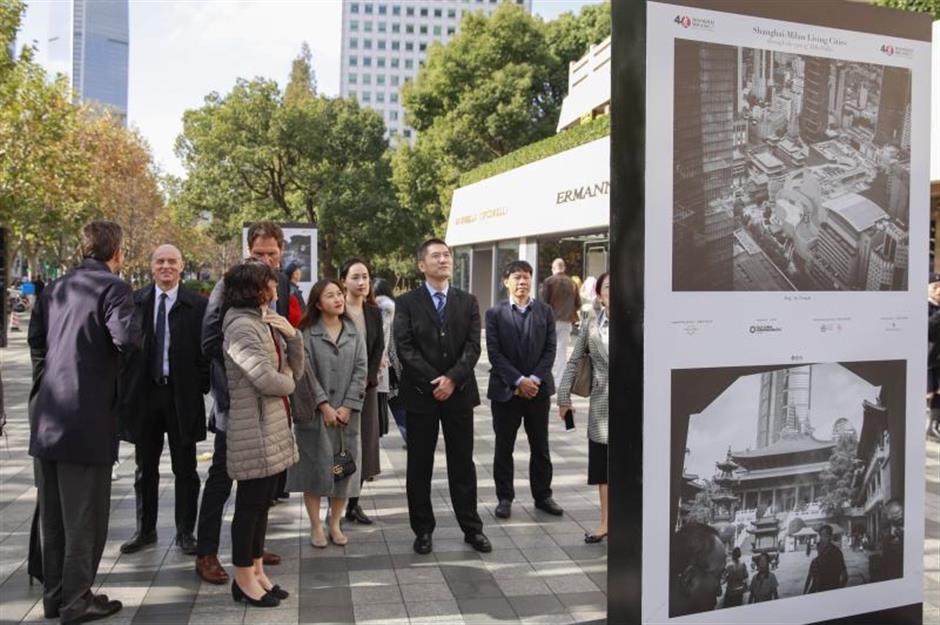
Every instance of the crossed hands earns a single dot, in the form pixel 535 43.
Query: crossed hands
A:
pixel 443 387
pixel 334 417
pixel 528 388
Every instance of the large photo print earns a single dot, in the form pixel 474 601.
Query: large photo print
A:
pixel 785 480
pixel 790 172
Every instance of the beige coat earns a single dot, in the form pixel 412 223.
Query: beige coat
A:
pixel 259 438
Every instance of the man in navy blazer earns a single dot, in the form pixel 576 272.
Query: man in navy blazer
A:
pixel 520 341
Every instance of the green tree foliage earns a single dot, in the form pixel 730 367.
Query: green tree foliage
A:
pixel 303 81
pixel 255 154
pixel 495 87
pixel 918 6
pixel 838 477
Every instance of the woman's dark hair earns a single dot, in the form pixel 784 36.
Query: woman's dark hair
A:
pixel 246 285
pixel 381 286
pixel 312 314
pixel 600 283
pixel 344 271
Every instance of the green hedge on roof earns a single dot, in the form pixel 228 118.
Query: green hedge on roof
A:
pixel 571 138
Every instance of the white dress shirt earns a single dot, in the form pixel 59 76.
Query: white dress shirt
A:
pixel 170 301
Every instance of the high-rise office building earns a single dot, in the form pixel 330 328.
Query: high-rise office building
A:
pixel 892 106
pixel 88 42
pixel 814 115
pixel 703 146
pixel 784 404
pixel 385 42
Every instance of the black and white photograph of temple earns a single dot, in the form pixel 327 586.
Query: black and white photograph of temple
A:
pixel 801 466
pixel 790 172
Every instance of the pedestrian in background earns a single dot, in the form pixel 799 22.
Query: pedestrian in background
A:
pixel 593 341
pixel 559 292
pixel 386 303
pixel 933 355
pixel 78 332
pixel 736 577
pixel 365 314
pixel 328 402
pixel 265 245
pixel 264 355
pixel 162 389
pixel 520 342
pixel 296 303
pixel 764 583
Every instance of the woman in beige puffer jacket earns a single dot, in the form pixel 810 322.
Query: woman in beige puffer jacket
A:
pixel 262 353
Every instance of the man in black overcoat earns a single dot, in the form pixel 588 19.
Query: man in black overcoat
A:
pixel 162 393
pixel 437 335
pixel 79 329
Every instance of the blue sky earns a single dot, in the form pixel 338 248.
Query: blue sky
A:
pixel 182 50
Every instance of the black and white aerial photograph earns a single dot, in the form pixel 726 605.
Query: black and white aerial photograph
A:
pixel 785 480
pixel 790 173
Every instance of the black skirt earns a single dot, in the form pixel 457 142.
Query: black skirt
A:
pixel 597 463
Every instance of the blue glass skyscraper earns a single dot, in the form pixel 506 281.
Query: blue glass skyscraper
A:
pixel 88 42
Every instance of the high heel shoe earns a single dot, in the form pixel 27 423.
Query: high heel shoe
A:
pixel 267 600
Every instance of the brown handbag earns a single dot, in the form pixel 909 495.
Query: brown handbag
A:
pixel 584 374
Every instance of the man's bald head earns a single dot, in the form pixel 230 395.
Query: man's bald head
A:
pixel 558 266
pixel 166 264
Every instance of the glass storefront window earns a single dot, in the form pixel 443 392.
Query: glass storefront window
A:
pixel 506 252
pixel 461 278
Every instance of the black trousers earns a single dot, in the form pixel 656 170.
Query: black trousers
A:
pixel 74 507
pixel 250 521
pixel 423 430
pixel 215 493
pixel 507 417
pixel 162 418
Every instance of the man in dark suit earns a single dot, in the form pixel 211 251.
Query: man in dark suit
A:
pixel 78 331
pixel 520 342
pixel 437 335
pixel 162 392
pixel 265 244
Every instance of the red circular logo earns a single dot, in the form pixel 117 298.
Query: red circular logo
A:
pixel 686 21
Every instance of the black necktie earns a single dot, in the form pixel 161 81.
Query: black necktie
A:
pixel 159 339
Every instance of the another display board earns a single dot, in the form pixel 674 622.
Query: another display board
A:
pixel 784 225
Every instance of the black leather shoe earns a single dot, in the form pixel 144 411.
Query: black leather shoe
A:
pixel 423 544
pixel 549 506
pixel 356 514
pixel 100 607
pixel 138 541
pixel 50 612
pixel 187 543
pixel 278 592
pixel 503 509
pixel 479 542
pixel 267 600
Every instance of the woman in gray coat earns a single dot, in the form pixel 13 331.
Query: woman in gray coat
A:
pixel 593 343
pixel 264 355
pixel 327 407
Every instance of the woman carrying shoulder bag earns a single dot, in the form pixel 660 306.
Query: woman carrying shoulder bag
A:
pixel 327 408
pixel 592 344
pixel 264 356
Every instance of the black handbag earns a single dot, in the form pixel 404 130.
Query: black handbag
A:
pixel 343 463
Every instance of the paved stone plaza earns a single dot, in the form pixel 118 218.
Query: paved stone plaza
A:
pixel 539 572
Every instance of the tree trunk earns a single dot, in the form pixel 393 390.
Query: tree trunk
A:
pixel 327 249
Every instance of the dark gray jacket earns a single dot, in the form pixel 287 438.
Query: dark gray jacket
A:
pixel 79 329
